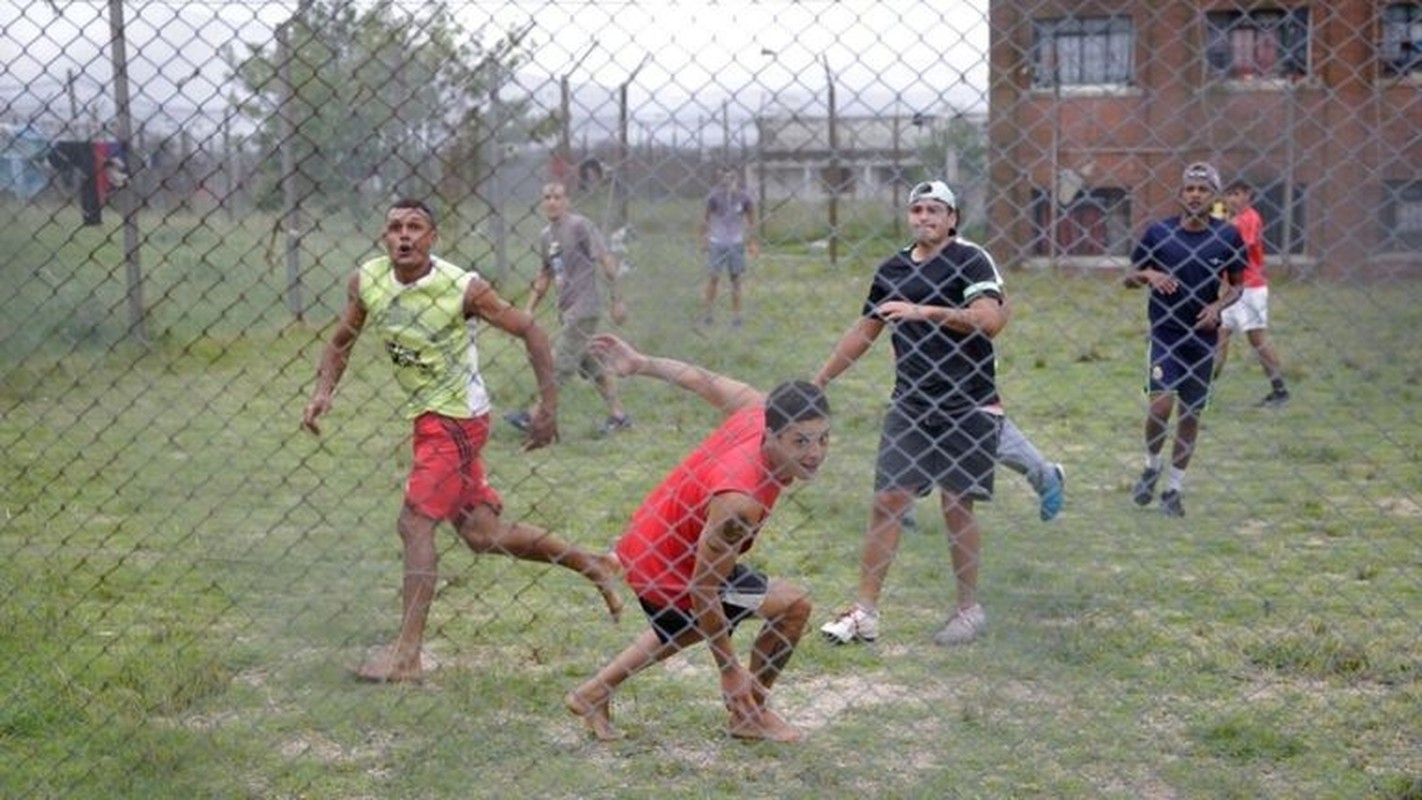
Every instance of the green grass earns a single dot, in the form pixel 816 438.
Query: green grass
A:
pixel 186 576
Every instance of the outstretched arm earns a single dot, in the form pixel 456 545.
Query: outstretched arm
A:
pixel 727 394
pixel 335 356
pixel 854 343
pixel 482 301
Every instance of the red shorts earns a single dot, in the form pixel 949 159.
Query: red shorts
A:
pixel 448 475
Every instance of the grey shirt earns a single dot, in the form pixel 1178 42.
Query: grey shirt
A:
pixel 572 250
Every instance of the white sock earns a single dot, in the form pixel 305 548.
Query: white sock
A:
pixel 1176 479
pixel 1153 462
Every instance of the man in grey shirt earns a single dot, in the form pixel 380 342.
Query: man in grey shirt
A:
pixel 727 234
pixel 573 254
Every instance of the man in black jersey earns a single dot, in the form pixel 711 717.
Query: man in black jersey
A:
pixel 943 300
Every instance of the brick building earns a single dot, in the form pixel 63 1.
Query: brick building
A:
pixel 1095 105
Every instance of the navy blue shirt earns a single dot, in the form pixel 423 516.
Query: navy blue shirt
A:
pixel 1197 260
pixel 936 367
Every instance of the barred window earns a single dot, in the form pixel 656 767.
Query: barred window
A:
pixel 1245 45
pixel 1083 51
pixel 1095 221
pixel 1401 48
pixel 1402 215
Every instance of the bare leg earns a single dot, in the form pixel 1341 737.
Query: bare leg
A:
pixel 593 699
pixel 964 546
pixel 736 296
pixel 484 532
pixel 881 542
pixel 787 611
pixel 710 296
pixel 1157 421
pixel 401 661
pixel 607 387
pixel 1268 359
pixel 1187 428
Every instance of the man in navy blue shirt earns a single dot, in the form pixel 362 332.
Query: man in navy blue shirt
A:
pixel 1184 260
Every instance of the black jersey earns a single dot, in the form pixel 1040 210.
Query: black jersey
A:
pixel 937 368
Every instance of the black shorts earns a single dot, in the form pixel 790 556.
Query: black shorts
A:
pixel 741 596
pixel 956 452
pixel 1183 364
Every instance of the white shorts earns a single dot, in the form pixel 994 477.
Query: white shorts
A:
pixel 1249 313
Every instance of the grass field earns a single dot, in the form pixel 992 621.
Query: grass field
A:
pixel 186 577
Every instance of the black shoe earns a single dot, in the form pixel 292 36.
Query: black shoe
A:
pixel 1144 490
pixel 1170 504
pixel 519 419
pixel 1275 399
pixel 612 425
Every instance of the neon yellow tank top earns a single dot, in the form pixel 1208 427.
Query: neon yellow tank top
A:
pixel 427 337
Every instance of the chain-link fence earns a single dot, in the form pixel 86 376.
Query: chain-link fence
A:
pixel 188 187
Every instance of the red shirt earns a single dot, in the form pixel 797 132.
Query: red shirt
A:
pixel 658 550
pixel 1251 230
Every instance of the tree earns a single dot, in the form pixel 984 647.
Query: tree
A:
pixel 379 101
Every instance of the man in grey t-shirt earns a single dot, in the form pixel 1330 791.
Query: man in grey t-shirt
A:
pixel 727 233
pixel 573 254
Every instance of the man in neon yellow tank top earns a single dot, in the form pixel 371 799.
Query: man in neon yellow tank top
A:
pixel 425 309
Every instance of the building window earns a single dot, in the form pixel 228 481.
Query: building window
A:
pixel 1284 210
pixel 1402 38
pixel 1082 51
pixel 1094 222
pixel 1402 215
pixel 1245 45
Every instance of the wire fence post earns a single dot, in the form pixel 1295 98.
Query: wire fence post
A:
pixel 123 124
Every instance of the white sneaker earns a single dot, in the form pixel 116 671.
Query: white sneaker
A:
pixel 966 625
pixel 854 625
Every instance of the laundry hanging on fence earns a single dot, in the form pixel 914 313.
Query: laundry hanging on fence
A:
pixel 97 168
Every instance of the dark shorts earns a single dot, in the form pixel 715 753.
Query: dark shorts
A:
pixel 728 258
pixel 570 350
pixel 741 596
pixel 1183 364
pixel 955 452
pixel 447 477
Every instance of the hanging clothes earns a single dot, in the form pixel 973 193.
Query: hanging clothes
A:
pixel 97 167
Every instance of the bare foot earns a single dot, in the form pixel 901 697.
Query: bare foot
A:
pixel 608 577
pixel 596 716
pixel 387 668
pixel 768 726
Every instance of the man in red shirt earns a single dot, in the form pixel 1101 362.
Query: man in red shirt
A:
pixel 682 547
pixel 1251 313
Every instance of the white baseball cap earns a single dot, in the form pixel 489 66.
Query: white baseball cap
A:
pixel 1201 172
pixel 933 190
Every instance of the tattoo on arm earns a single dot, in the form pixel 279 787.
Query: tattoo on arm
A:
pixel 737 529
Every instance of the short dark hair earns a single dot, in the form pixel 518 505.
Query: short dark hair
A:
pixel 795 401
pixel 418 205
pixel 1240 186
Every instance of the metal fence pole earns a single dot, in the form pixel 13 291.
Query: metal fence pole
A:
pixel 123 123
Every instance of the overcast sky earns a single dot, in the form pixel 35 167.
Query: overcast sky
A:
pixel 750 55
